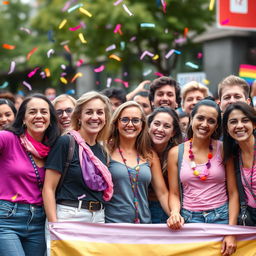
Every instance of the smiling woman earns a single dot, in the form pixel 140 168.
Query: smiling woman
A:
pixel 7 112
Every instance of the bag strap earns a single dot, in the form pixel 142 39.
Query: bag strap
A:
pixel 71 150
pixel 180 157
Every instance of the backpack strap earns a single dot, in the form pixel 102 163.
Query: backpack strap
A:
pixel 71 150
pixel 180 157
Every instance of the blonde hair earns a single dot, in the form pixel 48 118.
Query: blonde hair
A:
pixel 63 97
pixel 143 145
pixel 233 81
pixel 85 98
pixel 193 86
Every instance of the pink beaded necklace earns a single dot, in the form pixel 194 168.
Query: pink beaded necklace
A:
pixel 203 174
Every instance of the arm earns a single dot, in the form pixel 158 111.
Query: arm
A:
pixel 175 221
pixel 229 242
pixel 52 178
pixel 158 183
pixel 139 88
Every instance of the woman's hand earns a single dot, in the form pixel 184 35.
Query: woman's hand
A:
pixel 175 221
pixel 228 245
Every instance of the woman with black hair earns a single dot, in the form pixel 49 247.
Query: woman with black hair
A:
pixel 23 149
pixel 7 112
pixel 202 189
pixel 239 123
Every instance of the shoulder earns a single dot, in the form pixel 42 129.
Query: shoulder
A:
pixel 8 135
pixel 173 152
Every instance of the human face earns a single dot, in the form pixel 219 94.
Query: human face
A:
pixel 231 94
pixel 165 96
pixel 204 122
pixel 93 117
pixel 6 115
pixel 64 117
pixel 184 122
pixel 191 99
pixel 37 118
pixel 115 103
pixel 50 93
pixel 130 130
pixel 161 129
pixel 144 102
pixel 239 126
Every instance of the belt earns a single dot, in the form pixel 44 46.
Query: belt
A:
pixel 92 206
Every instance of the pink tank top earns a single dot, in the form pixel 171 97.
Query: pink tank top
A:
pixel 205 195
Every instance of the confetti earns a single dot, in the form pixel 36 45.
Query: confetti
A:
pixel 71 92
pixel 9 47
pixel 66 6
pixel 47 72
pixel 14 197
pixel 79 63
pixel 99 69
pixel 169 54
pixel 180 40
pixel 110 48
pixel 146 53
pixel 62 24
pixel 115 57
pixel 118 29
pixel 63 80
pixel 185 32
pixel 177 52
pixel 50 36
pixel 206 82
pixel 4 85
pixel 199 55
pixel 127 10
pixel 65 42
pixel 27 85
pixel 122 45
pixel 81 36
pixel 67 49
pixel 225 22
pixel 31 53
pixel 147 25
pixel 147 72
pixel 164 5
pixel 50 52
pixel 33 72
pixel 71 9
pixel 109 81
pixel 6 2
pixel 81 197
pixel 63 74
pixel 63 66
pixel 75 28
pixel 192 65
pixel 118 2
pixel 211 4
pixel 26 30
pixel 155 57
pixel 133 38
pixel 79 74
pixel 42 74
pixel 82 10
pixel 158 74
pixel 12 67
pixel 126 84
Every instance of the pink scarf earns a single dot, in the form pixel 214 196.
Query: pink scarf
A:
pixel 36 148
pixel 100 174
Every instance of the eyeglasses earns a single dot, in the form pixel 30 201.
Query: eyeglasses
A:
pixel 60 112
pixel 126 120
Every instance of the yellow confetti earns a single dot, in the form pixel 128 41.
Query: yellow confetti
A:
pixel 115 57
pixel 47 72
pixel 211 5
pixel 63 80
pixel 14 197
pixel 62 24
pixel 81 36
pixel 206 82
pixel 156 57
pixel 82 10
pixel 79 74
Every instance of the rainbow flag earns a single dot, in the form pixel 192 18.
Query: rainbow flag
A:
pixel 247 72
pixel 77 239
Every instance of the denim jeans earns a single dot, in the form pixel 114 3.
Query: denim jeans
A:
pixel 21 229
pixel 218 216
pixel 157 213
pixel 67 213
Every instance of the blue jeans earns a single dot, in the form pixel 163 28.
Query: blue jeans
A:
pixel 218 216
pixel 157 213
pixel 21 229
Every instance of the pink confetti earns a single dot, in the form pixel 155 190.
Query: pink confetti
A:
pixel 126 84
pixel 33 72
pixel 111 47
pixel 158 74
pixel 109 81
pixel 75 28
pixel 180 40
pixel 199 55
pixel 43 75
pixel 133 38
pixel 27 85
pixel 118 2
pixel 12 67
pixel 164 4
pixel 81 197
pixel 99 69
pixel 146 53
pixel 66 6
pixel 79 63
pixel 168 55
pixel 117 28
pixel 225 22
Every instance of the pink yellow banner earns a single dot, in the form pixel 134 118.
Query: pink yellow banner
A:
pixel 77 239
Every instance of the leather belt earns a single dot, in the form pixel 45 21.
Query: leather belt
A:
pixel 92 206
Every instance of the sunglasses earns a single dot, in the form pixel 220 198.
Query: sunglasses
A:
pixel 126 120
pixel 60 112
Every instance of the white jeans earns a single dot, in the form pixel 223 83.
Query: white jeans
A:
pixel 68 213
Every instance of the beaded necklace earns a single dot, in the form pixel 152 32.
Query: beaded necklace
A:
pixel 203 174
pixel 134 184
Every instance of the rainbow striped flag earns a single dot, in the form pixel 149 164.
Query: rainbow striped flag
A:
pixel 247 72
pixel 77 239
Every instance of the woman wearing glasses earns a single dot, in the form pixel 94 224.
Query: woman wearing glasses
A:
pixel 64 105
pixel 133 166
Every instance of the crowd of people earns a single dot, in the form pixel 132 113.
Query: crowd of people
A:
pixel 159 154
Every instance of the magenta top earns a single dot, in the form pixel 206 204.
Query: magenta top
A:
pixel 250 176
pixel 204 195
pixel 18 181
